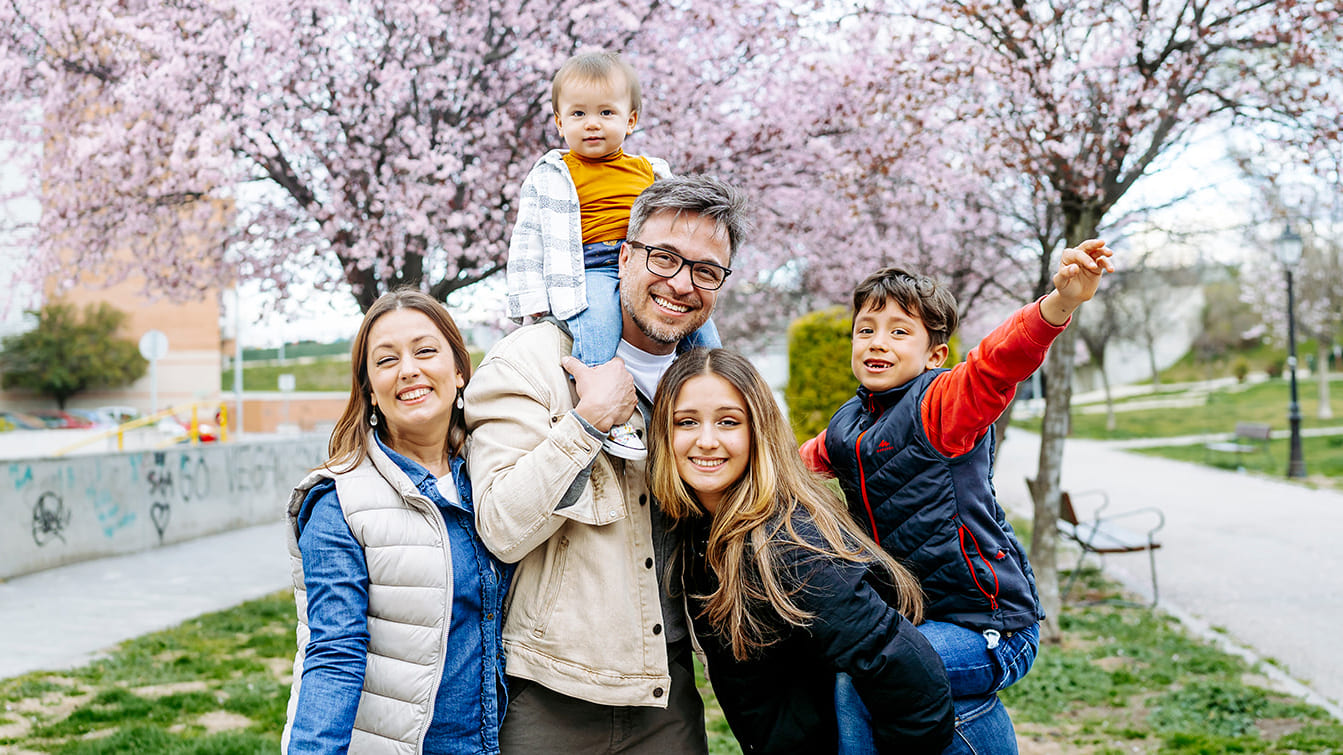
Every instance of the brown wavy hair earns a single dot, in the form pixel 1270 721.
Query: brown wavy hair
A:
pixel 349 442
pixel 919 295
pixel 753 526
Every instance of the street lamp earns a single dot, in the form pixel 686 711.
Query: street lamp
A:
pixel 1288 248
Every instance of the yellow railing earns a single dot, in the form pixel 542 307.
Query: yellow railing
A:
pixel 192 433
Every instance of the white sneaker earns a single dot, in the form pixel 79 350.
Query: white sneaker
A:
pixel 624 443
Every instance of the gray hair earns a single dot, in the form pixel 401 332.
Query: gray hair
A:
pixel 706 196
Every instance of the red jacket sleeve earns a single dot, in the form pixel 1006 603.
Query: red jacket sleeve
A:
pixel 814 456
pixel 964 402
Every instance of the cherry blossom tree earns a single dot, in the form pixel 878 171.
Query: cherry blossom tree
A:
pixel 357 145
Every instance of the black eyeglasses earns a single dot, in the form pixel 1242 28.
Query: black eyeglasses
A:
pixel 666 264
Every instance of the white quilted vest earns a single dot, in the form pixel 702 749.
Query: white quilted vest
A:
pixel 409 601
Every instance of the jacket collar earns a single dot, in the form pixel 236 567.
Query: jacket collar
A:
pixel 881 401
pixel 403 471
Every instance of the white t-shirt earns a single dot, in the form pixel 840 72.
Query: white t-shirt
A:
pixel 646 368
pixel 447 487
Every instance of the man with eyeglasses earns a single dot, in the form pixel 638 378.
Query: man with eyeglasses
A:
pixel 598 655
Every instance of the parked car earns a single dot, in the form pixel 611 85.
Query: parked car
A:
pixel 116 415
pixel 90 416
pixel 180 430
pixel 55 419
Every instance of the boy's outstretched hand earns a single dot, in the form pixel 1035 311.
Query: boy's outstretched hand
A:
pixel 1079 276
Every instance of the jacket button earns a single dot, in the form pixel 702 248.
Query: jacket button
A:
pixel 643 499
pixel 657 692
pixel 657 629
pixel 648 563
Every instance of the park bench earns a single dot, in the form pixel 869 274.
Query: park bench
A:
pixel 1248 438
pixel 1100 535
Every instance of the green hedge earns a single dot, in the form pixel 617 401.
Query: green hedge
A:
pixel 819 377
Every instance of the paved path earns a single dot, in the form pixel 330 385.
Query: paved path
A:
pixel 1259 558
pixel 63 617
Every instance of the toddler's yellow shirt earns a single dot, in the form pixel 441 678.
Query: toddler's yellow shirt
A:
pixel 606 191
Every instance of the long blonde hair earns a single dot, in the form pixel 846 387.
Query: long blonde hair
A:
pixel 753 525
pixel 348 446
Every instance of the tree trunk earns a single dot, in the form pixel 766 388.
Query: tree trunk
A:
pixel 1151 362
pixel 1054 430
pixel 1109 400
pixel 1000 426
pixel 1322 349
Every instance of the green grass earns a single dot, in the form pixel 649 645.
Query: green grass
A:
pixel 324 375
pixel 1123 680
pixel 1264 402
pixel 1323 457
pixel 1259 358
pixel 215 684
pixel 1126 679
pixel 1260 402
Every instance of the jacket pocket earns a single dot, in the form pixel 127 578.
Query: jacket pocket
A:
pixel 980 565
pixel 552 579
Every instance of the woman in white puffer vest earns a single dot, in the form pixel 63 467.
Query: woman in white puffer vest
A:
pixel 399 603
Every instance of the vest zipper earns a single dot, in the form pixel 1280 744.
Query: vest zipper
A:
pixel 969 562
pixel 862 486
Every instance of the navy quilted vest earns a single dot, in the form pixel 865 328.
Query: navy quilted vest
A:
pixel 936 515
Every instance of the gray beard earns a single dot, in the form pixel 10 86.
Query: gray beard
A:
pixel 662 334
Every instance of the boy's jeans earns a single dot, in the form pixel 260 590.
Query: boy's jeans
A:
pixel 976 672
pixel 596 330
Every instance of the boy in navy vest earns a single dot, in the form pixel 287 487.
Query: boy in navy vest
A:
pixel 913 452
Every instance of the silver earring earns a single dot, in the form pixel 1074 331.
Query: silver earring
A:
pixel 460 402
pixel 373 418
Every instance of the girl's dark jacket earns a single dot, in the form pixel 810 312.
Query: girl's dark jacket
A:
pixel 782 699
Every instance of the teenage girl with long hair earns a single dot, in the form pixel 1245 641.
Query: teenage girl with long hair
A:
pixel 782 589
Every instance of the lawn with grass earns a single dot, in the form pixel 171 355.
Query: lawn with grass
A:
pixel 1263 402
pixel 1323 457
pixel 1124 680
pixel 329 374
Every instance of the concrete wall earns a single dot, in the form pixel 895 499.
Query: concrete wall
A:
pixel 60 511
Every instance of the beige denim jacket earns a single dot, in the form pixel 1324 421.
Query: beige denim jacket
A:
pixel 583 616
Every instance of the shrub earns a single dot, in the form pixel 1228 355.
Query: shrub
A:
pixel 819 377
pixel 71 351
pixel 1240 368
pixel 1274 368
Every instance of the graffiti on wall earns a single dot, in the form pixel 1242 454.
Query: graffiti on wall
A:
pixel 49 518
pixel 108 503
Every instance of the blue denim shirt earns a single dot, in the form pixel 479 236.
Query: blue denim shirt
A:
pixel 471 696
